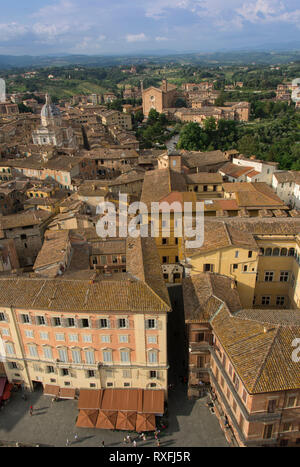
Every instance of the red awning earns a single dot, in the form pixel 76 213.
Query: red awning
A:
pixel 7 391
pixel 2 385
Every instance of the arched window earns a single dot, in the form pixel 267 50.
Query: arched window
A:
pixel 269 252
pixel 262 251
pixel 283 252
pixel 292 252
pixel 276 252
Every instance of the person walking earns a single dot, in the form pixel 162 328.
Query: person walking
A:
pixel 67 443
pixel 103 444
pixel 76 437
pixel 134 443
pixel 157 442
pixel 31 410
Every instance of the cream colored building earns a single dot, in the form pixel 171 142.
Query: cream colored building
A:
pixel 89 333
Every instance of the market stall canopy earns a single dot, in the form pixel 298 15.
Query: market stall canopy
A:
pixel 126 421
pixel 87 418
pixel 107 420
pixel 145 422
pixel 51 390
pixel 67 393
pixel 153 401
pixel 90 398
pixel 122 399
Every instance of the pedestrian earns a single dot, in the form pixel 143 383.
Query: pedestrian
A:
pixel 103 444
pixel 128 439
pixel 67 443
pixel 134 443
pixel 76 437
pixel 141 435
pixel 125 440
pixel 144 437
pixel 157 442
pixel 155 435
pixel 31 410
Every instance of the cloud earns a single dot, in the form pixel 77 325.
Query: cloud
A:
pixel 136 37
pixel 10 31
pixel 161 39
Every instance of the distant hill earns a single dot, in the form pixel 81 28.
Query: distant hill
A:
pixel 237 57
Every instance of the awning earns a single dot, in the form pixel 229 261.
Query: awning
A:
pixel 67 393
pixel 90 398
pixel 51 390
pixel 107 420
pixel 7 391
pixel 2 385
pixel 145 422
pixel 122 400
pixel 153 401
pixel 126 421
pixel 87 418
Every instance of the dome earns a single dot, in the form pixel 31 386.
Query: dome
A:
pixel 50 114
pixel 50 110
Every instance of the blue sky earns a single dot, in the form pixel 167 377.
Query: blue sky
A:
pixel 127 26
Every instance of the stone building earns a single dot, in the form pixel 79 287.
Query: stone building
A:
pixel 159 98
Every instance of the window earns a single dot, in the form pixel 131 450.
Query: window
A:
pixel 48 353
pixel 92 385
pixel 235 266
pixel 249 254
pixel 276 252
pixel 152 339
pixel 60 337
pixel 33 351
pixel 9 347
pixel 63 355
pixel 272 405
pixel 269 275
pixel 123 339
pixel 283 252
pixel 200 337
pixel 208 268
pixel 64 372
pixel 107 356
pixel 49 369
pixel 291 401
pixel 292 252
pixel 265 300
pixel 2 317
pixel 84 323
pixel 73 337
pixel 152 356
pixel 165 259
pixel 71 322
pixel 109 385
pixel 29 334
pixel 125 356
pixel 279 300
pixel 56 321
pixel 164 241
pixel 87 338
pixel 268 431
pixel 236 255
pixel 114 259
pixel 5 332
pixel 90 373
pixel 40 320
pixel 244 395
pixel 284 276
pixel 89 357
pixel 122 323
pixel 151 323
pixel 245 268
pixel 105 338
pixel 103 323
pixel 76 357
pixel 268 251
pixel 25 319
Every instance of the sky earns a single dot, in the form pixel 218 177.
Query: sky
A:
pixel 97 27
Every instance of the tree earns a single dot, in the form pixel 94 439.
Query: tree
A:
pixel 153 116
pixel 191 137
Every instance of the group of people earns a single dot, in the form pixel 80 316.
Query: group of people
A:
pixel 141 436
